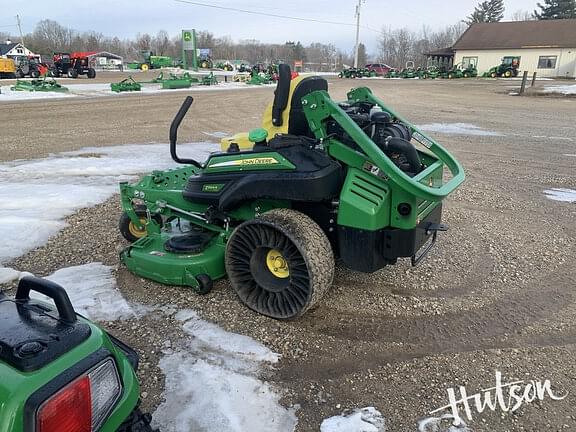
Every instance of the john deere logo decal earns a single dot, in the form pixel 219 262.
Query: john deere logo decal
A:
pixel 240 162
pixel 187 36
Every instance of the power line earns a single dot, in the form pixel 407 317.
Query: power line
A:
pixel 264 13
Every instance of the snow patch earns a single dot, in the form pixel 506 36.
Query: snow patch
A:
pixel 92 291
pixel 367 419
pixel 9 274
pixel 562 89
pixel 445 423
pixel 37 195
pixel 217 134
pixel 212 383
pixel 7 95
pixel 103 89
pixel 457 129
pixel 561 194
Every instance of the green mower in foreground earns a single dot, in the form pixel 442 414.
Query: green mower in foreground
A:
pixel 321 181
pixel 60 372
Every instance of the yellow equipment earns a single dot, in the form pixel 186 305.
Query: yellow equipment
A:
pixel 277 116
pixel 7 68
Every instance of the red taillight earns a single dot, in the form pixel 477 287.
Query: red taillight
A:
pixel 69 410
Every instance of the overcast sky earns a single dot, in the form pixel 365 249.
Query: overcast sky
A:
pixel 125 18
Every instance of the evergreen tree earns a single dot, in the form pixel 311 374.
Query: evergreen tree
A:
pixel 556 9
pixel 487 11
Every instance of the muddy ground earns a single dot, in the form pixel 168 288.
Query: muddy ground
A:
pixel 498 293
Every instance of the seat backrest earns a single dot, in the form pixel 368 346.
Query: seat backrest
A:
pixel 291 119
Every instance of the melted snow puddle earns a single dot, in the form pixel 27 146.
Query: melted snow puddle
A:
pixel 457 129
pixel 92 291
pixel 37 195
pixel 212 383
pixel 561 194
pixel 367 419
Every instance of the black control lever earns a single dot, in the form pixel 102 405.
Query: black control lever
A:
pixel 174 133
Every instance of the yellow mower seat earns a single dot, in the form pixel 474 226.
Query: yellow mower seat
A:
pixel 292 120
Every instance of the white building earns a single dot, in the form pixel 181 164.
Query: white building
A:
pixel 547 47
pixel 14 51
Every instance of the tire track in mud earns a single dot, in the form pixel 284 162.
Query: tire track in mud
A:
pixel 495 326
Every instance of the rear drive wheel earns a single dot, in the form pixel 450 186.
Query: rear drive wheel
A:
pixel 137 422
pixel 507 74
pixel 144 67
pixel 130 231
pixel 280 264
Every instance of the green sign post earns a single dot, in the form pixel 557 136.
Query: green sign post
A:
pixel 189 44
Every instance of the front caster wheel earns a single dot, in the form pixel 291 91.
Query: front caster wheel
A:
pixel 280 264
pixel 130 231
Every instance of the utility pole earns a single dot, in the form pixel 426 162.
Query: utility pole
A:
pixel 357 33
pixel 20 29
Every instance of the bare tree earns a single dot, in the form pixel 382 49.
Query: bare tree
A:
pixel 161 42
pixel 522 15
pixel 143 42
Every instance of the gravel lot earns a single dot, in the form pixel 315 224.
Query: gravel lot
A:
pixel 497 293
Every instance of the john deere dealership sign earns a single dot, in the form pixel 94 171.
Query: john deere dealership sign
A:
pixel 188 39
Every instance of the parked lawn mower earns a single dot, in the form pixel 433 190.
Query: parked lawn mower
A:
pixel 61 372
pixel 320 180
pixel 39 85
pixel 126 85
pixel 72 65
pixel 409 71
pixel 31 66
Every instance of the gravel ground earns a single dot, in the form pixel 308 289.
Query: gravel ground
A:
pixel 497 293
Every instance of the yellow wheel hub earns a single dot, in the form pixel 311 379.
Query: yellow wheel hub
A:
pixel 138 233
pixel 277 264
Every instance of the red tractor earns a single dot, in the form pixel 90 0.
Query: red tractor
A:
pixel 72 65
pixel 31 66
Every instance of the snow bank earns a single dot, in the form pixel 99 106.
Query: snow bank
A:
pixel 103 89
pixel 367 419
pixel 92 291
pixel 212 383
pixel 561 194
pixel 7 95
pixel 37 195
pixel 457 129
pixel 562 89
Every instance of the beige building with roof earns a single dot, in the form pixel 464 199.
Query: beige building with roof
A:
pixel 547 47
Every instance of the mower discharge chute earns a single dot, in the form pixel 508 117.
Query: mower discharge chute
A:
pixel 320 180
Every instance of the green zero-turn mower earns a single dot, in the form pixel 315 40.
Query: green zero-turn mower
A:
pixel 322 181
pixel 60 372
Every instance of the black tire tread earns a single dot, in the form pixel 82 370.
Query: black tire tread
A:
pixel 313 244
pixel 137 422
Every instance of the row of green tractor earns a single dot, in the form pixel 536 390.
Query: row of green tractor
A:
pixel 410 72
pixel 504 70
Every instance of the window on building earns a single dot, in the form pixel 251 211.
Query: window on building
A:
pixel 20 50
pixel 469 61
pixel 547 62
pixel 511 60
